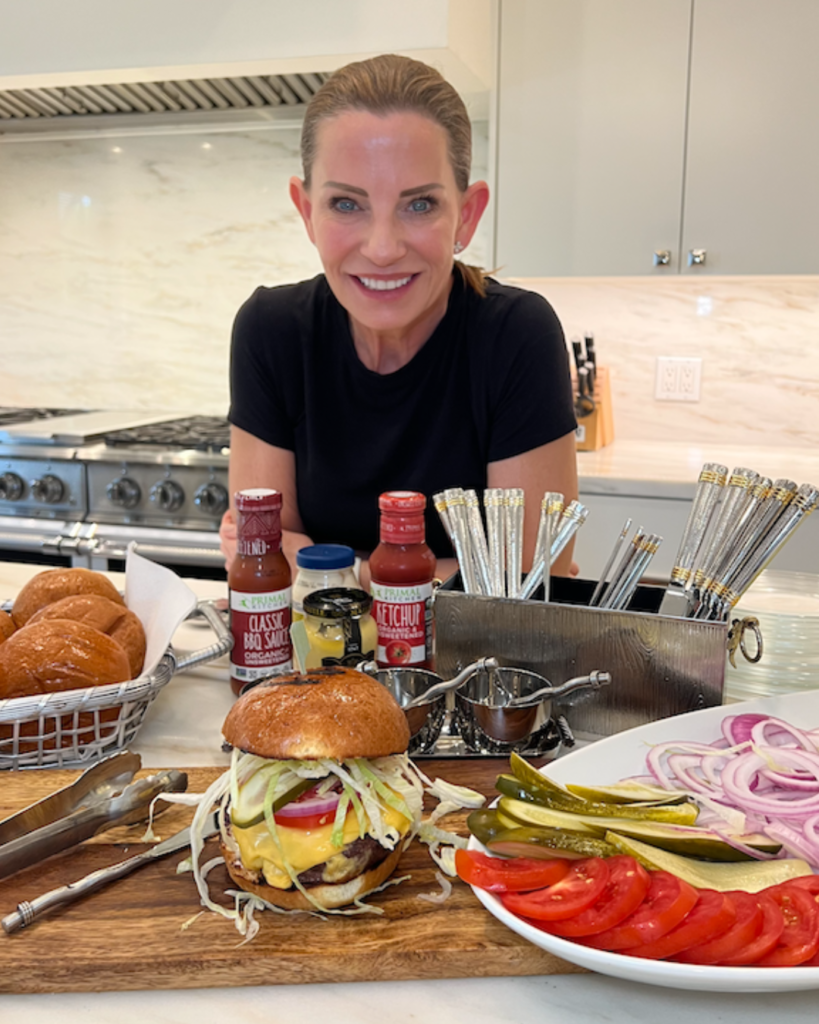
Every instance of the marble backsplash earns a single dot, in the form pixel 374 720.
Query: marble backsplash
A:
pixel 757 338
pixel 123 259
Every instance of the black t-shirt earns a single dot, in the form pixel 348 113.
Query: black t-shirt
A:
pixel 491 382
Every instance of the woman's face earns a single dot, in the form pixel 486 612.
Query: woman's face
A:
pixel 384 212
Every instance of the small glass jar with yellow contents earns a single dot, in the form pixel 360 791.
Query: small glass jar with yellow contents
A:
pixel 339 626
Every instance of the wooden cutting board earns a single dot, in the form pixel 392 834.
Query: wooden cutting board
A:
pixel 129 935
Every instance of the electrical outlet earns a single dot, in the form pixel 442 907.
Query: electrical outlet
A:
pixel 678 379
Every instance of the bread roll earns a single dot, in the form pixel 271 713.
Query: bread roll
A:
pixel 58 654
pixel 105 615
pixel 54 584
pixel 7 626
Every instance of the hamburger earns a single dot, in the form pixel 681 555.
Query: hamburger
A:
pixel 321 797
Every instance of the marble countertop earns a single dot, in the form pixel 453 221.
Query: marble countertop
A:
pixel 666 469
pixel 183 729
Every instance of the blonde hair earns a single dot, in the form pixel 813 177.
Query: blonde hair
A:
pixel 390 84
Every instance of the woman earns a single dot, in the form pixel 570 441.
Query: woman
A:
pixel 399 367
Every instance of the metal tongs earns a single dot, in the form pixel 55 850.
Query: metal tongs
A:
pixel 103 796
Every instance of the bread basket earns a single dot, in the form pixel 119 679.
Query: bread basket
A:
pixel 78 727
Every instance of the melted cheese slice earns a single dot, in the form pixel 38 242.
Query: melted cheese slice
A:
pixel 302 848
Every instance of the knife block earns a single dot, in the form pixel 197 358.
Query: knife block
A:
pixel 597 429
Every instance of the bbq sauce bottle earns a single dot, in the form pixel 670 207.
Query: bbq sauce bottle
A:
pixel 259 582
pixel 401 572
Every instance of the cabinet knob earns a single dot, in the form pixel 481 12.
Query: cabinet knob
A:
pixel 662 257
pixel 696 257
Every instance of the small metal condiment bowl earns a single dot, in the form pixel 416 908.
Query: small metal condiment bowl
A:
pixel 487 726
pixel 425 720
pixel 493 715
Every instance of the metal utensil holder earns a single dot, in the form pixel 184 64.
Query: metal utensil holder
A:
pixel 660 666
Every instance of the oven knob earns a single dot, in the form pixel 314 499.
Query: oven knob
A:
pixel 212 498
pixel 49 489
pixel 12 487
pixel 168 495
pixel 124 492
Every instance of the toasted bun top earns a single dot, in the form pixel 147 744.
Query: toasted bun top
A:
pixel 54 584
pixel 327 712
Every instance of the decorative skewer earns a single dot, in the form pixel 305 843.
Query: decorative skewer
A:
pixel 496 540
pixel 614 552
pixel 456 507
pixel 513 506
pixel 477 536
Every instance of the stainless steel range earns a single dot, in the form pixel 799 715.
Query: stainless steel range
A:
pixel 77 487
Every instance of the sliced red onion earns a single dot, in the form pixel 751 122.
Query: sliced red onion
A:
pixel 769 729
pixel 737 728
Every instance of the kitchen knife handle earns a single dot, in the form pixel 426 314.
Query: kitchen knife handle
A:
pixel 30 910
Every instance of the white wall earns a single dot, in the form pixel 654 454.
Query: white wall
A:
pixel 50 42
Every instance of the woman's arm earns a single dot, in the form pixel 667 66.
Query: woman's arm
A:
pixel 551 467
pixel 254 463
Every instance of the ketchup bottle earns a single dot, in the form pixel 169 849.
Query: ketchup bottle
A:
pixel 259 582
pixel 401 572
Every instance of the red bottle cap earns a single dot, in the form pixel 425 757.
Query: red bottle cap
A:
pixel 402 517
pixel 402 501
pixel 258 499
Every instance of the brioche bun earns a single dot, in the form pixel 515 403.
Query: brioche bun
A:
pixel 59 654
pixel 327 712
pixel 53 585
pixel 7 626
pixel 105 615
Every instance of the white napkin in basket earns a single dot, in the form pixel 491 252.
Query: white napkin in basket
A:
pixel 161 601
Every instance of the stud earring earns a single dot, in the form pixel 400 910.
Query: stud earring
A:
pixel 459 247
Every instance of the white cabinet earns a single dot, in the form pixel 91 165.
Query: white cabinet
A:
pixel 629 127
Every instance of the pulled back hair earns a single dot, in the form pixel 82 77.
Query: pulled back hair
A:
pixel 391 84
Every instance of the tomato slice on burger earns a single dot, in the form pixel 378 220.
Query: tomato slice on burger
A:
pixel 309 810
pixel 497 874
pixel 713 914
pixel 715 948
pixel 581 886
pixel 799 940
pixel 627 885
pixel 773 924
pixel 667 902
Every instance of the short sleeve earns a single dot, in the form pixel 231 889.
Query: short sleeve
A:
pixel 260 365
pixel 532 402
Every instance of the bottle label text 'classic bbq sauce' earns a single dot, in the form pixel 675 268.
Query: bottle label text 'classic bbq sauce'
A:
pixel 259 581
pixel 401 571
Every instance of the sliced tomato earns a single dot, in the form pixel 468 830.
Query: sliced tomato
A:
pixel 715 948
pixel 625 890
pixel 666 903
pixel 773 924
pixel 497 874
pixel 799 940
pixel 712 914
pixel 579 888
pixel 809 882
pixel 309 811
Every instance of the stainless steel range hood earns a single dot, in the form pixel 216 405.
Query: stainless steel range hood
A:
pixel 97 104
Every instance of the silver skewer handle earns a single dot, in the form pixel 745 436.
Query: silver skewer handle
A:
pixel 496 540
pixel 477 536
pixel 711 481
pixel 607 569
pixel 456 507
pixel 513 505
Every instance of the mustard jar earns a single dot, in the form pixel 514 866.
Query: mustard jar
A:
pixel 339 626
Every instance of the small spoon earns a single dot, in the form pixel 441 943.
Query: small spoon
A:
pixel 594 680
pixel 446 685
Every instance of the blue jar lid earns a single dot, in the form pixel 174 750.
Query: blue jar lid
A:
pixel 325 556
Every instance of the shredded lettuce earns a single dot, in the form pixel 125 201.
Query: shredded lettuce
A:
pixel 369 788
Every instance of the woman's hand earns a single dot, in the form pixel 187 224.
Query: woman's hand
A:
pixel 227 538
